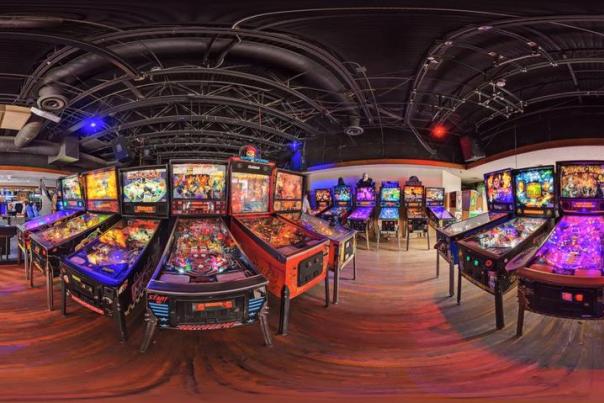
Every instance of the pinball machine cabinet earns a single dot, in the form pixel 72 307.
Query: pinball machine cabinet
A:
pixel 293 259
pixel 203 280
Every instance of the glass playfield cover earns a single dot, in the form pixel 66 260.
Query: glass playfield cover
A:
pixel 66 230
pixel 113 254
pixel 460 227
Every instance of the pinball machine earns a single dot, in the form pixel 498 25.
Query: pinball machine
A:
pixel 361 218
pixel 287 196
pixel 49 246
pixel 389 220
pixel 70 204
pixel 293 259
pixel 342 241
pixel 415 215
pixel 322 201
pixel 485 254
pixel 438 215
pixel 108 275
pixel 203 280
pixel 342 202
pixel 564 276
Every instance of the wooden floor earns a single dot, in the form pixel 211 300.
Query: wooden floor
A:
pixel 394 336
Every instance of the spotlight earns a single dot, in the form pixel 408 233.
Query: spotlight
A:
pixel 92 125
pixel 439 131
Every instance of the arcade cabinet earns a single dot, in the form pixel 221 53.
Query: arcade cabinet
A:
pixel 203 280
pixel 322 201
pixel 484 255
pixel 564 276
pixel 389 217
pixel 109 274
pixel 342 196
pixel 361 218
pixel 70 204
pixel 342 241
pixel 51 245
pixel 293 259
pixel 438 215
pixel 415 215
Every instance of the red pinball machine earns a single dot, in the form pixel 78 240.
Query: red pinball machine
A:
pixel 293 259
pixel 322 201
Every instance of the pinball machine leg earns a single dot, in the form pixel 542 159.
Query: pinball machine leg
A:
pixel 31 274
pixel 408 236
pixel 120 319
pixel 64 297
pixel 499 318
pixel 437 264
pixel 428 237
pixel 459 285
pixel 451 278
pixel 49 291
pixel 377 237
pixel 367 235
pixel 266 334
pixel 354 266
pixel 327 296
pixel 521 308
pixel 284 311
pixel 150 328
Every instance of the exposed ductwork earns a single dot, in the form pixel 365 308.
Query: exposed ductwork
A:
pixel 29 132
pixel 317 75
pixel 29 22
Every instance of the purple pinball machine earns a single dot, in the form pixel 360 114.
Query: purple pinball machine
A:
pixel 484 255
pixel 203 281
pixel 361 218
pixel 564 276
pixel 70 204
pixel 438 215
pixel 108 275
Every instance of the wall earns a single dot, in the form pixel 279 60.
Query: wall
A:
pixel 430 176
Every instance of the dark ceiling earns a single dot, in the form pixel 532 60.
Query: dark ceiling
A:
pixel 199 79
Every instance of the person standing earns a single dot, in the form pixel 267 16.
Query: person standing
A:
pixel 306 208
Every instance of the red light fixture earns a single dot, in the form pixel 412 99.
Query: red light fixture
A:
pixel 439 131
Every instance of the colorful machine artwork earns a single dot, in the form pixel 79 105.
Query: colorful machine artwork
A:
pixel 499 187
pixel 203 252
pixel 117 249
pixel 101 185
pixel 195 181
pixel 71 188
pixel 435 195
pixel 504 237
pixel 342 194
pixel 391 194
pixel 323 196
pixel 535 187
pixel 46 220
pixel 288 186
pixel 365 194
pixel 575 247
pixel 249 193
pixel 413 194
pixel 145 186
pixel 582 181
pixel 70 228
pixel 281 235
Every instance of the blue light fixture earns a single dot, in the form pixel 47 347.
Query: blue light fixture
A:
pixel 92 125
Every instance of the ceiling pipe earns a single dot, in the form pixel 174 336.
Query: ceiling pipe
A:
pixel 86 66
pixel 48 149
pixel 29 132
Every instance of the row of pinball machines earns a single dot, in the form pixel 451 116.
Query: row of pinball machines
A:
pixel 422 206
pixel 489 248
pixel 235 234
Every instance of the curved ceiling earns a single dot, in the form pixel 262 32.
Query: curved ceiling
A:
pixel 355 80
